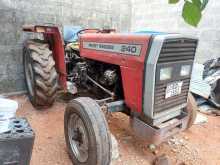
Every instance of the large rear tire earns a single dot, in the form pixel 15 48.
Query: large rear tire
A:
pixel 40 73
pixel 86 132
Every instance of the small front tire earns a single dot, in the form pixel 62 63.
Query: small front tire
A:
pixel 86 133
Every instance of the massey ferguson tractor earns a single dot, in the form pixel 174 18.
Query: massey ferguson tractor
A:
pixel 144 75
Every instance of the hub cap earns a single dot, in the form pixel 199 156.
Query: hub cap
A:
pixel 78 138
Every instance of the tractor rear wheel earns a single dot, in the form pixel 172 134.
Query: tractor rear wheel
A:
pixel 191 110
pixel 40 73
pixel 86 132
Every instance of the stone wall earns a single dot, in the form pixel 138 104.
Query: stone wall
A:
pixel 158 15
pixel 15 13
pixel 124 15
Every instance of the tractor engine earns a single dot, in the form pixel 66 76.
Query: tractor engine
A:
pixel 89 75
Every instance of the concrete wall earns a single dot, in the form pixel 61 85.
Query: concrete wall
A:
pixel 15 13
pixel 125 15
pixel 161 16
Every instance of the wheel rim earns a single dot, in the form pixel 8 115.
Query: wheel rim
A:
pixel 78 138
pixel 29 74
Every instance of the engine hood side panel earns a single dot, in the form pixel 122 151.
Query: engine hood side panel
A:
pixel 125 50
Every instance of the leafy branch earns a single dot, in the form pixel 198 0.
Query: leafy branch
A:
pixel 192 10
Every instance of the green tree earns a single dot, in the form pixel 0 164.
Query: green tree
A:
pixel 192 10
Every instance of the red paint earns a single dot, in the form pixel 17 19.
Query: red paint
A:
pixel 52 36
pixel 132 67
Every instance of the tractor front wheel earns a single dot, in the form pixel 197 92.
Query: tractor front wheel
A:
pixel 86 132
pixel 40 73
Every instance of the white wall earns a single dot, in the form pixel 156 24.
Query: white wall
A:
pixel 160 16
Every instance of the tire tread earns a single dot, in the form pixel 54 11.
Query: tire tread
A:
pixel 100 126
pixel 46 77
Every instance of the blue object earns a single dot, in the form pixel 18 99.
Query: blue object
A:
pixel 70 33
pixel 146 31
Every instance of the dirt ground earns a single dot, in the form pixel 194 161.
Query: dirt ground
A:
pixel 198 146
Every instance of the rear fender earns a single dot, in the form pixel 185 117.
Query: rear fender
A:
pixel 53 37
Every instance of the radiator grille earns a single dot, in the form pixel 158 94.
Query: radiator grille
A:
pixel 177 50
pixel 174 51
pixel 160 103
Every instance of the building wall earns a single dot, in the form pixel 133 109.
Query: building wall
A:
pixel 124 15
pixel 160 16
pixel 15 13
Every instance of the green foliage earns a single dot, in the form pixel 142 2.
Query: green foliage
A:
pixel 204 3
pixel 191 13
pixel 173 1
pixel 197 3
pixel 192 10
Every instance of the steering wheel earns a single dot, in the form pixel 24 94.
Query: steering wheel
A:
pixel 88 31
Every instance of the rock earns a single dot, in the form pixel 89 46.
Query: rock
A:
pixel 155 152
pixel 152 147
pixel 115 150
pixel 174 150
pixel 200 119
pixel 182 142
pixel 162 160
pixel 173 141
pixel 186 137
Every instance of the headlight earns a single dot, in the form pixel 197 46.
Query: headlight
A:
pixel 165 73
pixel 185 70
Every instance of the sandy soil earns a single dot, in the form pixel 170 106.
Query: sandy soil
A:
pixel 199 145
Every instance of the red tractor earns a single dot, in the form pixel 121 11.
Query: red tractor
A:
pixel 144 75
